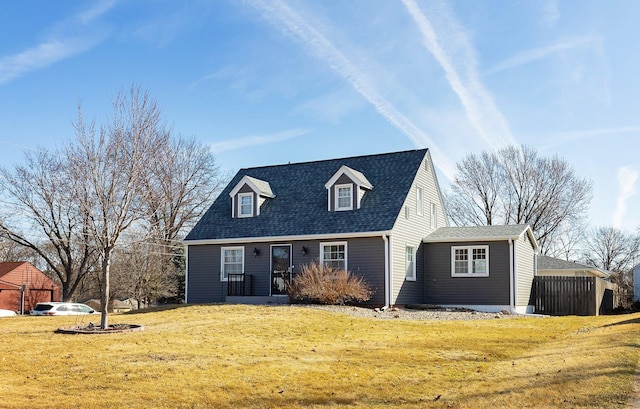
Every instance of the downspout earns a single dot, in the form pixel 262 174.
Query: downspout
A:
pixel 511 278
pixel 186 274
pixel 390 270
pixel 387 299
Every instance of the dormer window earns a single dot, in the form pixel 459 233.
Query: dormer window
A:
pixel 344 197
pixel 248 196
pixel 245 205
pixel 345 189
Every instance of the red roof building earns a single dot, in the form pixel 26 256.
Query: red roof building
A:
pixel 22 286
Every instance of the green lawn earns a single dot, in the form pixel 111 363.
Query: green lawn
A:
pixel 283 357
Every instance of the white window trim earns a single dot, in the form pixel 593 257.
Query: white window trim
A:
pixel 469 260
pixel 337 201
pixel 419 201
pixel 335 243
pixel 413 276
pixel 240 196
pixel 433 215
pixel 222 250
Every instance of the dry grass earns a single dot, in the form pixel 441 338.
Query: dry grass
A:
pixel 286 357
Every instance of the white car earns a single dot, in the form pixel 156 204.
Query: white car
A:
pixel 62 308
pixel 7 313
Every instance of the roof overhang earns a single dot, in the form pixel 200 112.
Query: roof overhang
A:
pixel 266 239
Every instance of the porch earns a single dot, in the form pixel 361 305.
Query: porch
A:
pixel 240 289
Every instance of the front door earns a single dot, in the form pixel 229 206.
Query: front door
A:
pixel 280 268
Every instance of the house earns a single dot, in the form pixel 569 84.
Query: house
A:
pixel 550 266
pixel 22 286
pixel 378 216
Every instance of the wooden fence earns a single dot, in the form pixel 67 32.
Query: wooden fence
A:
pixel 557 295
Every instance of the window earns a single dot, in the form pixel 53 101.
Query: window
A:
pixel 231 262
pixel 410 263
pixel 470 261
pixel 434 216
pixel 419 201
pixel 344 197
pixel 334 255
pixel 245 205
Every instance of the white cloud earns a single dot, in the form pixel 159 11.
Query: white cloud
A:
pixel 58 47
pixel 627 178
pixel 563 138
pixel 540 53
pixel 256 140
pixel 551 13
pixel 451 47
pixel 284 18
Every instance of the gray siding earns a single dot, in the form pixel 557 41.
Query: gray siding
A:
pixel 441 288
pixel 525 266
pixel 365 257
pixel 410 232
pixel 203 280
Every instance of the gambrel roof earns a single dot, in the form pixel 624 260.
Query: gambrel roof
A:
pixel 300 204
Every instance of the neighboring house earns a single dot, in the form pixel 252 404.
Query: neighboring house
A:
pixel 550 266
pixel 369 215
pixel 22 286
pixel 568 288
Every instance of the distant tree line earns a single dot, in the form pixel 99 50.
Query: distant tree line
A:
pixel 515 185
pixel 105 213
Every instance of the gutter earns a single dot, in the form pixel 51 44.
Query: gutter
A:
pixel 329 236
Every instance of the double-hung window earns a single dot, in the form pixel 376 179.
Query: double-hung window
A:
pixel 410 263
pixel 231 261
pixel 245 205
pixel 470 261
pixel 334 255
pixel 344 197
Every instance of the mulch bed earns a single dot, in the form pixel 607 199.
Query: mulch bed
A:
pixel 95 329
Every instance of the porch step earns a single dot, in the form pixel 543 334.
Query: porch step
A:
pixel 257 300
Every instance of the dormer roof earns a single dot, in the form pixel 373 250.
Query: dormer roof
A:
pixel 357 177
pixel 261 187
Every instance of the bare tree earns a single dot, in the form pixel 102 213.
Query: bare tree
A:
pixel 611 249
pixel 41 217
pixel 516 186
pixel 110 171
pixel 614 250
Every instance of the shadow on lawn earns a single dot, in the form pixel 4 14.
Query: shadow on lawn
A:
pixel 625 322
pixel 165 307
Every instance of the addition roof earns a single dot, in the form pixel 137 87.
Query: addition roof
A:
pixel 480 233
pixel 300 205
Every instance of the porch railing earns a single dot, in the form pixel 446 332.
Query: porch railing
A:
pixel 239 284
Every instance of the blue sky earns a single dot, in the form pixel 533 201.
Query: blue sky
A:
pixel 270 82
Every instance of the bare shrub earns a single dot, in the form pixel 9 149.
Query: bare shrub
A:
pixel 327 285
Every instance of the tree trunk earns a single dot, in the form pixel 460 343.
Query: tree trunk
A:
pixel 104 297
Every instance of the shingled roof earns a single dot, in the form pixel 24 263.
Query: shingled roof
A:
pixel 300 204
pixel 480 233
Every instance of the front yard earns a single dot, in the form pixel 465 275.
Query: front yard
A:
pixel 224 356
